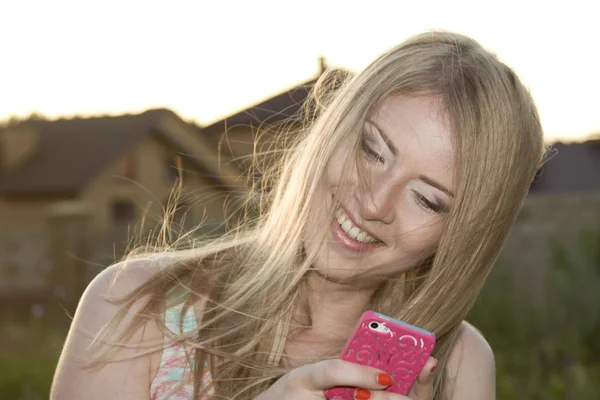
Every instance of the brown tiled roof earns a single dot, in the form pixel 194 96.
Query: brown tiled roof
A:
pixel 275 109
pixel 71 152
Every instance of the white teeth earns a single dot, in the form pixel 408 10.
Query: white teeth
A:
pixel 353 231
pixel 346 226
pixel 361 237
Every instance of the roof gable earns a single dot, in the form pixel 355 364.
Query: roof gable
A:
pixel 272 110
pixel 572 168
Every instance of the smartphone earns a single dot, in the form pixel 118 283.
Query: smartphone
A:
pixel 393 346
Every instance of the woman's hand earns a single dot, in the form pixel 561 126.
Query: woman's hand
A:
pixel 423 387
pixel 311 381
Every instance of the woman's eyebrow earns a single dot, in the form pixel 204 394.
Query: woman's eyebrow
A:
pixel 436 185
pixel 385 138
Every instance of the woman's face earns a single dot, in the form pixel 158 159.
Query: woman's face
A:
pixel 392 211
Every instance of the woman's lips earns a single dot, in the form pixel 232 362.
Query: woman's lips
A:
pixel 352 220
pixel 348 243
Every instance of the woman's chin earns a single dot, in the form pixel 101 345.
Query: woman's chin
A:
pixel 347 277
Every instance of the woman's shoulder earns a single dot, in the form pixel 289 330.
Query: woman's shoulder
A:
pixel 122 278
pixel 94 313
pixel 472 365
pixel 470 337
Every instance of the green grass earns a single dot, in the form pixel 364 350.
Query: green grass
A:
pixel 546 350
pixel 29 352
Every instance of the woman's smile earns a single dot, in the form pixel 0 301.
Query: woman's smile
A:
pixel 352 236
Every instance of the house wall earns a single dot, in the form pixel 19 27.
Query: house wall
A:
pixel 31 245
pixel 23 243
pixel 248 146
pixel 25 214
pixel 150 187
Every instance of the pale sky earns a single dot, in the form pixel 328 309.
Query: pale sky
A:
pixel 208 59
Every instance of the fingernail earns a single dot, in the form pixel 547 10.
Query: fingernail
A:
pixel 434 365
pixel 384 379
pixel 362 394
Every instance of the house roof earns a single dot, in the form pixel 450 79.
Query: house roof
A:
pixel 572 168
pixel 279 107
pixel 275 109
pixel 71 152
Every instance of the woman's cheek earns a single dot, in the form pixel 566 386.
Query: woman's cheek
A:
pixel 420 234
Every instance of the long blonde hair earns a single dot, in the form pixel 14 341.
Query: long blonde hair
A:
pixel 253 277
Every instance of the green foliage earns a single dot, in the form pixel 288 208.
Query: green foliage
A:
pixel 29 353
pixel 547 345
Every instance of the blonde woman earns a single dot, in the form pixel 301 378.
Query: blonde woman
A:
pixel 397 198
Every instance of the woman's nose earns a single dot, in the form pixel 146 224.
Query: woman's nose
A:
pixel 378 201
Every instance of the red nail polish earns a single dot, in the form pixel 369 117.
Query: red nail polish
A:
pixel 384 379
pixel 434 365
pixel 362 394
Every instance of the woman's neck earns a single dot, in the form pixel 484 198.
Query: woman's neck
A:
pixel 325 320
pixel 332 309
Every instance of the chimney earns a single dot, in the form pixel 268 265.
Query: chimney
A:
pixel 17 144
pixel 322 65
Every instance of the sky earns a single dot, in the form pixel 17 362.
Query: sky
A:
pixel 209 59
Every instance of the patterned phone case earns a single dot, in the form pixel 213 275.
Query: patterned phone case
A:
pixel 399 349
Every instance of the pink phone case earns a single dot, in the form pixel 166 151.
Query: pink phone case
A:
pixel 399 349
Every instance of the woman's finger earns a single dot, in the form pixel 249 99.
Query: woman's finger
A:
pixel 330 373
pixel 423 386
pixel 363 394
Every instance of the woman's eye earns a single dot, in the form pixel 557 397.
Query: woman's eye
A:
pixel 372 154
pixel 430 205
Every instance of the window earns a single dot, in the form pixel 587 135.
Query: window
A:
pixel 126 167
pixel 172 167
pixel 123 211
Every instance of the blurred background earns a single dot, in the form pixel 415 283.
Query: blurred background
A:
pixel 106 106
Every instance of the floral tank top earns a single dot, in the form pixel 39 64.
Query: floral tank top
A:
pixel 173 380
